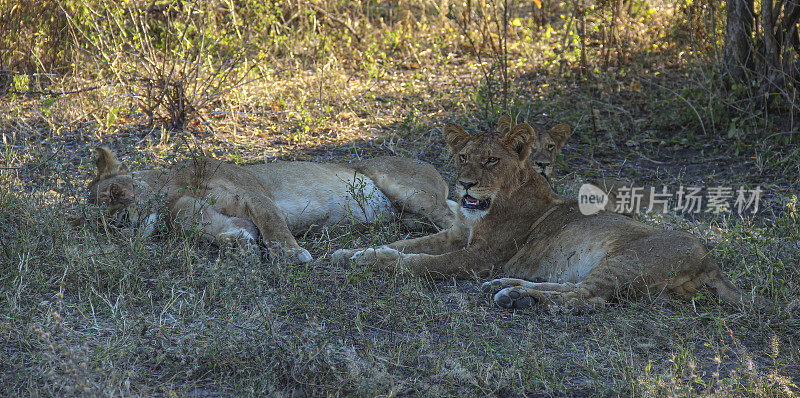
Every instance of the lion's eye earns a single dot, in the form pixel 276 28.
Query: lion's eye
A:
pixel 491 161
pixel 550 147
pixel 462 158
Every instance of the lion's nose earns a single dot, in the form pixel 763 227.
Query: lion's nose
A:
pixel 543 165
pixel 466 184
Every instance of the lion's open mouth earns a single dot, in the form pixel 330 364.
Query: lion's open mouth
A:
pixel 468 202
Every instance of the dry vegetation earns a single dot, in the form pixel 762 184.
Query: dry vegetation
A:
pixel 86 312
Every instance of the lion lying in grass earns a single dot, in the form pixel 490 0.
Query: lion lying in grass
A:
pixel 273 201
pixel 511 222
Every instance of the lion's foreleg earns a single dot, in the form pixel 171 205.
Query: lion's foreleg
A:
pixel 442 242
pixel 272 225
pixel 461 262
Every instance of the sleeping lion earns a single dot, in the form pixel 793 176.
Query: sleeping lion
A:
pixel 271 201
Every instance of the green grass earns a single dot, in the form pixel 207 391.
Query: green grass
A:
pixel 86 312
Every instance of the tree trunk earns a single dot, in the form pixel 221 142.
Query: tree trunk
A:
pixel 738 52
pixel 772 69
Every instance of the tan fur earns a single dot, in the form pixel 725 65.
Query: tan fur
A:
pixel 551 252
pixel 231 203
pixel 548 146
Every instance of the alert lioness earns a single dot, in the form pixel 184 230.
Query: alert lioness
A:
pixel 622 197
pixel 231 203
pixel 512 223
pixel 545 146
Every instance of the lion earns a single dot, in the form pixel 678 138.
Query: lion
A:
pixel 512 224
pixel 229 203
pixel 623 197
pixel 546 145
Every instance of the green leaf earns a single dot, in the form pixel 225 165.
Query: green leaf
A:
pixel 48 102
pixel 732 131
pixel 111 116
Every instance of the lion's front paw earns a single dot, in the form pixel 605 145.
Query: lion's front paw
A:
pixel 236 237
pixel 238 241
pixel 298 256
pixel 384 256
pixel 291 255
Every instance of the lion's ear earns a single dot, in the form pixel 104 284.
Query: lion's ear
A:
pixel 112 194
pixel 520 139
pixel 560 134
pixel 115 192
pixel 455 136
pixel 505 123
pixel 107 163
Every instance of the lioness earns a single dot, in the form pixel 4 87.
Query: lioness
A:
pixel 546 144
pixel 623 197
pixel 274 200
pixel 511 222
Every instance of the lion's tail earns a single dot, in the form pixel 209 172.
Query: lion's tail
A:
pixel 727 291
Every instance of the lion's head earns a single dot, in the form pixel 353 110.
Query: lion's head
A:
pixel 489 164
pixel 546 147
pixel 118 193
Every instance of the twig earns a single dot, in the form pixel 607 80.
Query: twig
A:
pixel 334 19
pixel 52 93
pixel 702 125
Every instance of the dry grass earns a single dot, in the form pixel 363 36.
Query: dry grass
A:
pixel 83 312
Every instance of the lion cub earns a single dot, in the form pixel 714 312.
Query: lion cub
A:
pixel 512 223
pixel 272 201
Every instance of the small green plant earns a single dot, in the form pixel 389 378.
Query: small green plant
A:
pixel 361 191
pixel 20 83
